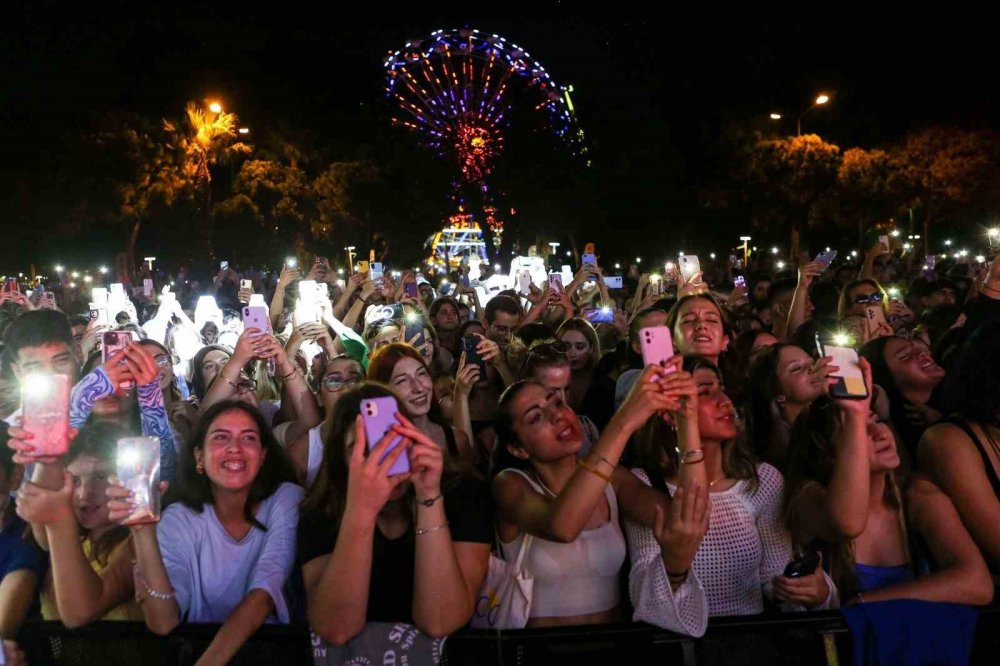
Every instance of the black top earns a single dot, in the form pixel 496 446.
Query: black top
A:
pixel 467 505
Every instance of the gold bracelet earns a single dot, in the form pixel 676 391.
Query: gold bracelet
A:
pixel 593 470
pixel 604 460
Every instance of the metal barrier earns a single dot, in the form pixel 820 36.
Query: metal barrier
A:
pixel 796 639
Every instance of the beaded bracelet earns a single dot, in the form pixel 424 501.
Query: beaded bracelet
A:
pixel 162 596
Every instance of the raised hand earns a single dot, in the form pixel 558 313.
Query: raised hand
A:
pixel 368 482
pixel 680 530
pixel 40 506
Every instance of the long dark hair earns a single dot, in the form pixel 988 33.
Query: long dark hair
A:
pixel 973 387
pixel 100 440
pixel 501 458
pixel 762 387
pixel 656 442
pixel 812 456
pixel 328 493
pixel 198 386
pixel 728 368
pixel 194 490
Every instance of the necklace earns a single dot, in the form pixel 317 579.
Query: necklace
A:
pixel 712 483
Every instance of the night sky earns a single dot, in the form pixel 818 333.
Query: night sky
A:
pixel 652 95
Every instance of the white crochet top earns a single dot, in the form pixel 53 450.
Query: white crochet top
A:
pixel 746 546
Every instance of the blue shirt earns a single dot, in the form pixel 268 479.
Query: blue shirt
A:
pixel 16 553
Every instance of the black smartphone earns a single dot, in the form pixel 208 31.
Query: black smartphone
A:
pixel 469 344
pixel 802 566
pixel 414 328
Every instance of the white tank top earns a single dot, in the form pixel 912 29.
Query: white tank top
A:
pixel 315 455
pixel 574 578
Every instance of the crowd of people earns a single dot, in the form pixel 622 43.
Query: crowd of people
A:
pixel 729 479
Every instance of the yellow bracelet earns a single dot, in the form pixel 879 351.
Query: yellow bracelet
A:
pixel 593 470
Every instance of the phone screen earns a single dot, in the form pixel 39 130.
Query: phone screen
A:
pixel 379 415
pixel 740 282
pixel 223 265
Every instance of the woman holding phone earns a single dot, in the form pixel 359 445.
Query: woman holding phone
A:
pixel 406 372
pixel 223 551
pixel 412 547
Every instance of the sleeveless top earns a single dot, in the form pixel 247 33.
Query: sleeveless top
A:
pixel 871 577
pixel 127 611
pixel 576 578
pixel 991 472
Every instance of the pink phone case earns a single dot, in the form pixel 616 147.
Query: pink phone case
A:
pixel 379 414
pixel 138 467
pixel 113 342
pixel 45 413
pixel 875 316
pixel 255 316
pixel 657 346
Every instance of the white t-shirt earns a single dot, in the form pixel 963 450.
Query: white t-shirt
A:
pixel 212 572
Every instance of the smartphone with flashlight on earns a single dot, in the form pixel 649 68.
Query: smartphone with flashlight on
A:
pixel 850 381
pixel 413 330
pixel 601 315
pixel 223 265
pixel 45 412
pixel 137 465
pixel 690 265
pixel 377 273
pixel 740 282
pixel 291 262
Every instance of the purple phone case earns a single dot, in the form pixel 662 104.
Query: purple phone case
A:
pixel 379 414
pixel 255 316
pixel 410 289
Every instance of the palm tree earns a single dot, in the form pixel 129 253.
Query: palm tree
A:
pixel 209 137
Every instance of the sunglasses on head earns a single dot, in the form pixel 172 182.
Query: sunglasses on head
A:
pixel 548 349
pixel 865 299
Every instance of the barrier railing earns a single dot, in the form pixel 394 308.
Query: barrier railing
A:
pixel 799 639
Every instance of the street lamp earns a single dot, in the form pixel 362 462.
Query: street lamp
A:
pixel 244 130
pixel 819 101
pixel 150 260
pixel 746 249
pixel 775 116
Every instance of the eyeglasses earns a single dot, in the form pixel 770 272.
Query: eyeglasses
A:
pixel 503 330
pixel 162 360
pixel 550 349
pixel 865 299
pixel 332 384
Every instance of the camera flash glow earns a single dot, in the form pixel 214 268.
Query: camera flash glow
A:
pixel 128 457
pixel 841 339
pixel 37 386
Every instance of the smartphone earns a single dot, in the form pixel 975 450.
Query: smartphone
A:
pixel 137 465
pixel 656 285
pixel 524 281
pixel 603 315
pixel 414 328
pixel 379 415
pixel 802 566
pixel 930 261
pixel 47 300
pixel 884 241
pixel 223 265
pixel 469 344
pixel 657 346
pixel 875 318
pixel 740 282
pixel 291 262
pixel 254 316
pixel 555 282
pixel 589 258
pixel 246 285
pixel 113 342
pixel 376 271
pixel 410 289
pixel 11 285
pixel 147 288
pixel 826 258
pixel 690 264
pixel 362 266
pixel 45 412
pixel 850 380
pixel 613 282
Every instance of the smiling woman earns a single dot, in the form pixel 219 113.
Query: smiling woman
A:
pixel 221 553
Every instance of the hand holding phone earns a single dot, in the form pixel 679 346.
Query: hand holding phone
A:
pixel 45 413
pixel 849 379
pixel 255 316
pixel 802 566
pixel 470 345
pixel 113 343
pixel 138 469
